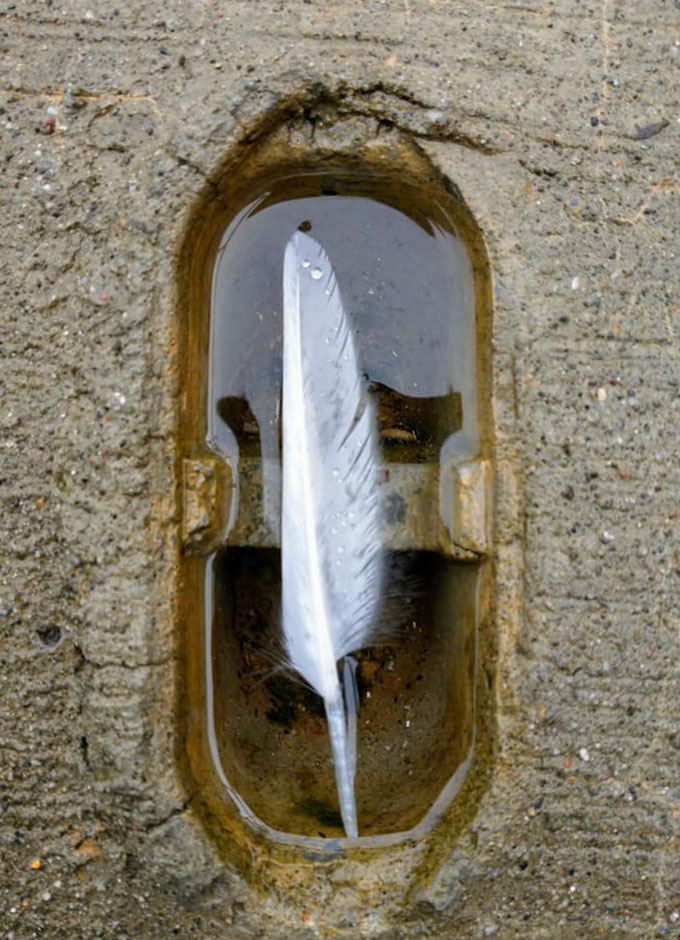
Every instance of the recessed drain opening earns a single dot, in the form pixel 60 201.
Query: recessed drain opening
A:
pixel 412 277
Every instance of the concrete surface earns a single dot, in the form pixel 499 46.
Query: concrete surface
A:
pixel 551 120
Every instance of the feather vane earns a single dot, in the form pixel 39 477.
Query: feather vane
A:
pixel 330 546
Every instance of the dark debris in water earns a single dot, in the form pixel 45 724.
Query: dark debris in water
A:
pixel 287 696
pixel 321 811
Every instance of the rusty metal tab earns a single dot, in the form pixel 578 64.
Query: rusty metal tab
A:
pixel 207 491
pixel 466 504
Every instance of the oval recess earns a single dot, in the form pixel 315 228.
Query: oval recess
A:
pixel 413 271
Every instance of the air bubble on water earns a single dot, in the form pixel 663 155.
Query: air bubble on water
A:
pixel 316 273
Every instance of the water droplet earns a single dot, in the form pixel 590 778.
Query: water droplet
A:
pixel 305 263
pixel 316 273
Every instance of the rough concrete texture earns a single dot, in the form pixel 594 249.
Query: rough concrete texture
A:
pixel 551 119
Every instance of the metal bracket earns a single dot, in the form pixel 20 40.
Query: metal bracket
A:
pixel 426 506
pixel 206 486
pixel 465 504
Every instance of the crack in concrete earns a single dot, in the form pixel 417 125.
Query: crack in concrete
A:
pixel 446 134
pixel 132 667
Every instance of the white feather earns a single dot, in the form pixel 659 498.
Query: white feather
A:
pixel 330 544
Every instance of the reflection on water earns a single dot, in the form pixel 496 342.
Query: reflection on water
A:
pixel 411 428
pixel 407 283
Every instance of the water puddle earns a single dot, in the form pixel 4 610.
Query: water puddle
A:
pixel 415 691
pixel 407 280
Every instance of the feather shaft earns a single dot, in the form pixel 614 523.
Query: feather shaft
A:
pixel 351 693
pixel 344 778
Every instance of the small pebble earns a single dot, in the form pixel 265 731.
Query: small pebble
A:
pixel 649 130
pixel 435 116
pixel 49 635
pixel 583 754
